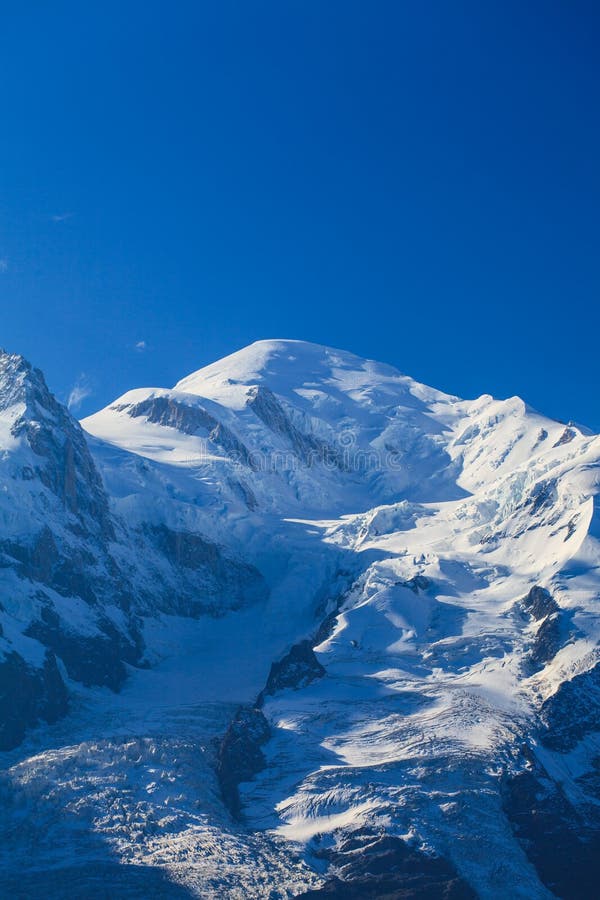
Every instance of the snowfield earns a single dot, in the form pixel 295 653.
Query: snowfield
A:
pixel 357 621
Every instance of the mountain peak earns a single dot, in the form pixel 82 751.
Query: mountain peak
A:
pixel 289 368
pixel 259 358
pixel 400 588
pixel 20 382
pixel 46 442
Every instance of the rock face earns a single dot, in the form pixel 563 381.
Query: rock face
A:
pixel 28 695
pixel 62 598
pixel 310 449
pixel 562 841
pixel 240 755
pixel 201 579
pixel 540 605
pixel 573 711
pixel 373 866
pixel 298 668
pixel 58 452
pixel 189 419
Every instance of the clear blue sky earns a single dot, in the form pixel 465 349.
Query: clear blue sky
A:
pixel 418 182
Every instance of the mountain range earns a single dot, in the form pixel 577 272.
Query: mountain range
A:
pixel 299 626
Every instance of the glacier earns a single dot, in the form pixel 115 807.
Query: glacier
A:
pixel 298 626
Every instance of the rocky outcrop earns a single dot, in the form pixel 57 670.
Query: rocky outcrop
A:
pixel 240 755
pixel 56 568
pixel 371 866
pixel 189 420
pixel 540 606
pixel 563 846
pixel 572 712
pixel 542 496
pixel 60 457
pixel 67 568
pixel 28 695
pixel 310 449
pixel 296 669
pixel 99 659
pixel 202 577
pixel 539 603
pixel 417 583
pixel 566 437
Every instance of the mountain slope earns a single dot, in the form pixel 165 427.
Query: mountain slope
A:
pixel 75 578
pixel 381 602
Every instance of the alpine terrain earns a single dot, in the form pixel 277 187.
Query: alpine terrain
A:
pixel 299 626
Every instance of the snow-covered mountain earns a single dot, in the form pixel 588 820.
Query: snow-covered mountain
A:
pixel 298 626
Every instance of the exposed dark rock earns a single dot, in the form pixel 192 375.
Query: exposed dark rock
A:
pixel 244 492
pixel 383 867
pixel 589 782
pixel 27 695
pixel 189 420
pixel 306 446
pixel 561 844
pixel 566 437
pixel 68 569
pixel 543 495
pixel 207 580
pixel 327 626
pixel 65 464
pixel 547 642
pixel 240 756
pixel 186 549
pixel 329 607
pixel 417 583
pixel 297 669
pixel 572 712
pixel 540 605
pixel 571 528
pixel 90 660
pixel 66 554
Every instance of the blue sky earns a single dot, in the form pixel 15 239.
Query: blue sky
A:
pixel 418 182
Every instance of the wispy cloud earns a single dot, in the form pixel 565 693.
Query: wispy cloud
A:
pixel 79 392
pixel 141 346
pixel 3 264
pixel 62 217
